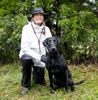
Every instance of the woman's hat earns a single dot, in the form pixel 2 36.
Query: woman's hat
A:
pixel 37 10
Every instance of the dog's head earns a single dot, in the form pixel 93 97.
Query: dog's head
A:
pixel 52 44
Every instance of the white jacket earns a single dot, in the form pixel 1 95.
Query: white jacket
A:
pixel 29 42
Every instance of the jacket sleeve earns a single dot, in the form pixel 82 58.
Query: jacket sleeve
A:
pixel 25 44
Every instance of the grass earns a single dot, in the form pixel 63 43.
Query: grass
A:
pixel 10 85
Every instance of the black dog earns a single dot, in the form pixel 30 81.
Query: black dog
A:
pixel 57 66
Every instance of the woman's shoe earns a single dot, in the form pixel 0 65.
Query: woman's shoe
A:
pixel 24 90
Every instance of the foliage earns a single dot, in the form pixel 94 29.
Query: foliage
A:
pixel 75 22
pixel 79 32
pixel 13 18
pixel 10 85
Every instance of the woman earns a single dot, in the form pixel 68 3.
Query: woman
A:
pixel 33 35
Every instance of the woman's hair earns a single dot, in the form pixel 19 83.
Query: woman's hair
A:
pixel 44 32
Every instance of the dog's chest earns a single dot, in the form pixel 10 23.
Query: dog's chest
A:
pixel 55 66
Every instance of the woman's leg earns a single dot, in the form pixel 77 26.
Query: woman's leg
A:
pixel 39 75
pixel 26 73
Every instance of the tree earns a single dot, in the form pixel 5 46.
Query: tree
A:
pixel 12 18
pixel 79 30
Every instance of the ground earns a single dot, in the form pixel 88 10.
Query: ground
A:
pixel 10 84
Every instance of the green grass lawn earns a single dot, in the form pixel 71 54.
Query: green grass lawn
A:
pixel 10 85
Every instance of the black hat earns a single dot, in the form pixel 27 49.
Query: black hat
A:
pixel 37 10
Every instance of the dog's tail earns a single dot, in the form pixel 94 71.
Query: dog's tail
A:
pixel 80 82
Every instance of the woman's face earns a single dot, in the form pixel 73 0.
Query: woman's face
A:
pixel 38 19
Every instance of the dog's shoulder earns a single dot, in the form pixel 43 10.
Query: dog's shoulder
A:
pixel 62 58
pixel 62 61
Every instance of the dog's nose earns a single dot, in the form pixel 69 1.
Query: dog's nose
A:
pixel 53 49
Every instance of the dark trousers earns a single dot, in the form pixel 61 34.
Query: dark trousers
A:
pixel 38 72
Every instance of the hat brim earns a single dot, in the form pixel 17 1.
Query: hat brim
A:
pixel 44 14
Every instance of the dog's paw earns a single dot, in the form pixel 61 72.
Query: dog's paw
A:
pixel 72 89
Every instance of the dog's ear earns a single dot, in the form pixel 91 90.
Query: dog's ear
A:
pixel 45 43
pixel 58 40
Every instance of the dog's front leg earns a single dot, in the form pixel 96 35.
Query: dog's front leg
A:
pixel 51 82
pixel 66 83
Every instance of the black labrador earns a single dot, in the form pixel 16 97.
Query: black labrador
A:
pixel 56 65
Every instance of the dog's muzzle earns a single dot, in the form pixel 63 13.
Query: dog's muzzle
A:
pixel 53 49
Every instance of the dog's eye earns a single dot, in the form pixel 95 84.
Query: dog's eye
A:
pixel 54 40
pixel 49 40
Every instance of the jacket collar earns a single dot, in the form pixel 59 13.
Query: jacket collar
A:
pixel 37 28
